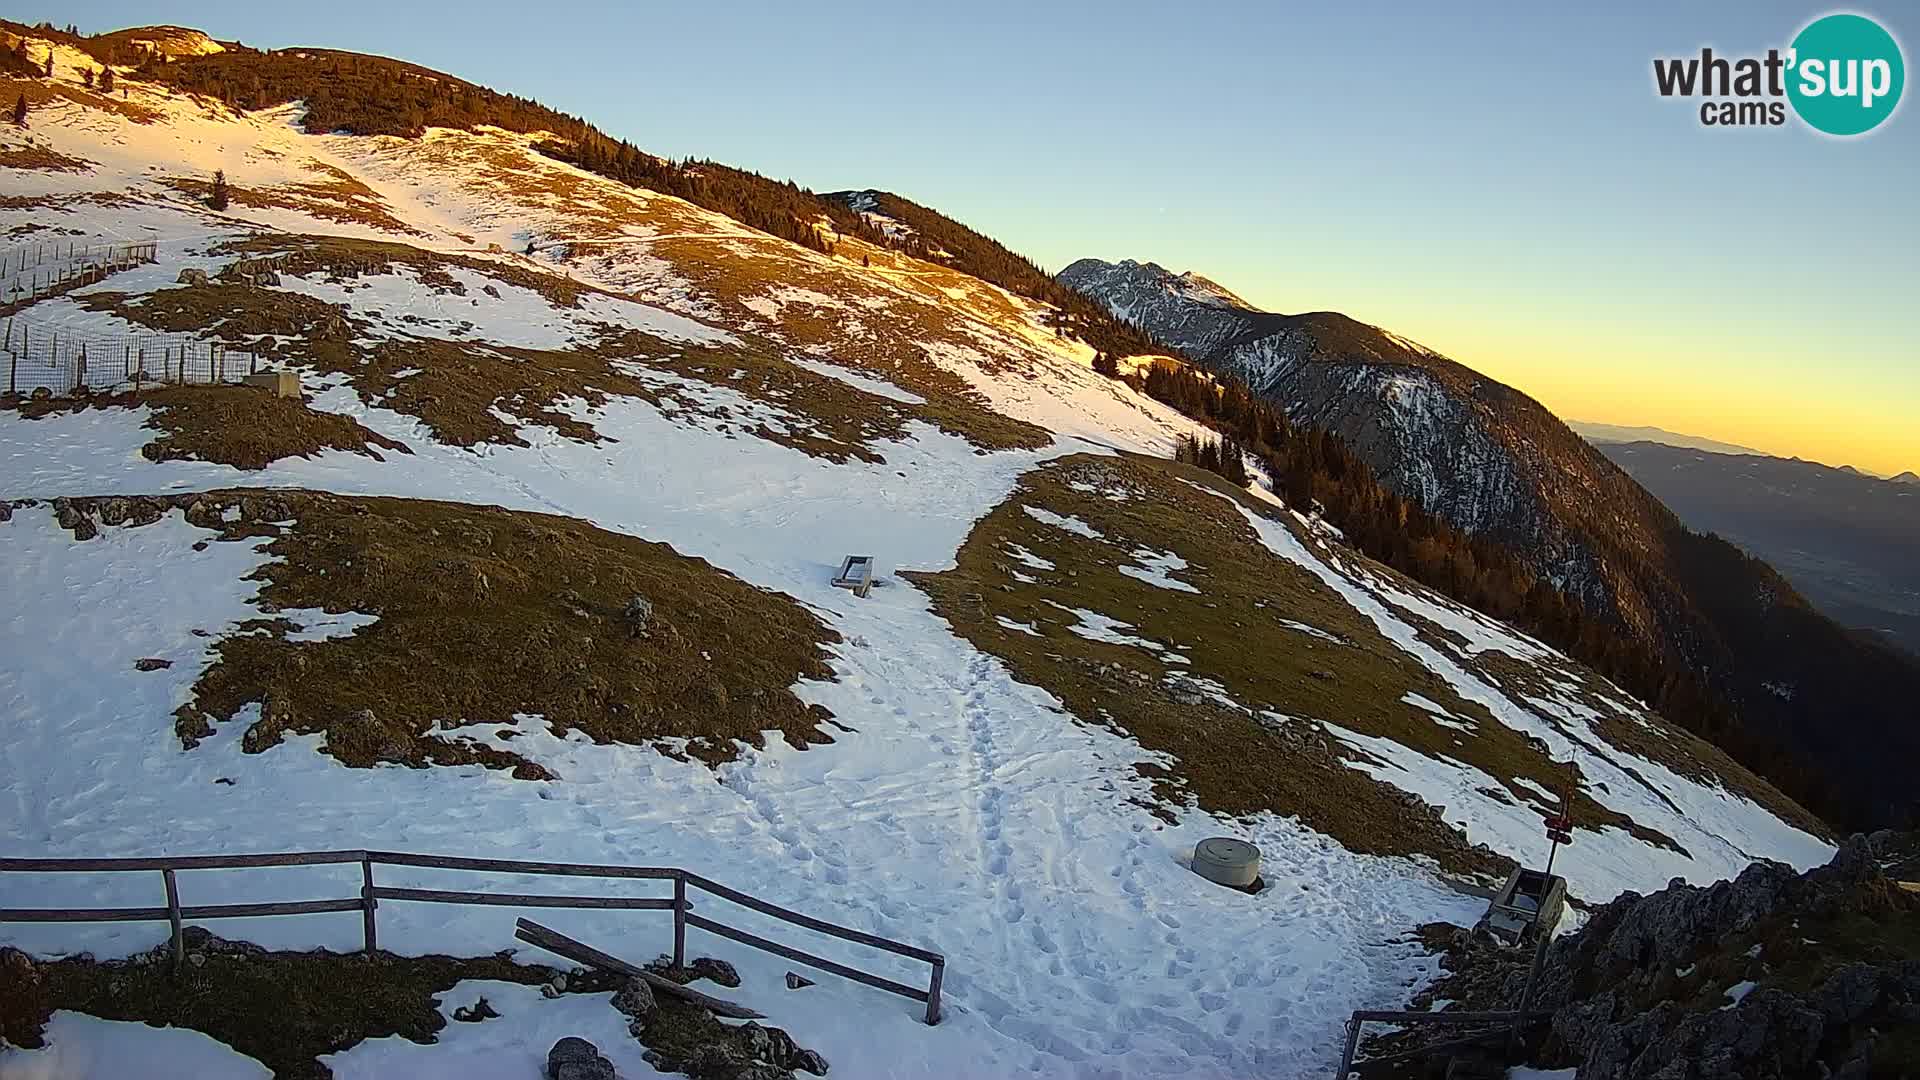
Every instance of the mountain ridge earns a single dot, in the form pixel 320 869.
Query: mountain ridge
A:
pixel 1491 460
pixel 1618 433
pixel 1843 538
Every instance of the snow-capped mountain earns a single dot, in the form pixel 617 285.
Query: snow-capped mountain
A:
pixel 1493 461
pixel 539 563
pixel 1433 430
pixel 1183 311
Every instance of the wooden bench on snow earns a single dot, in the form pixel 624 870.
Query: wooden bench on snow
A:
pixel 856 573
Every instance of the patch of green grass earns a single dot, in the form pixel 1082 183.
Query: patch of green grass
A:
pixel 243 426
pixel 1233 632
pixel 459 389
pixel 1679 750
pixel 1269 754
pixel 283 1009
pixel 485 615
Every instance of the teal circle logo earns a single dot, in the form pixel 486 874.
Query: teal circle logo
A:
pixel 1845 74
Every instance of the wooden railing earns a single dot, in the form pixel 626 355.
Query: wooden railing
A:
pixel 175 913
pixel 1499 1024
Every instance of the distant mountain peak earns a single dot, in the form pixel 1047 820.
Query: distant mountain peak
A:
pixel 1186 285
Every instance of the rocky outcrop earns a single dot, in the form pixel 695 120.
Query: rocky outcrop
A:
pixel 1771 976
pixel 1764 976
pixel 574 1058
pixel 23 1007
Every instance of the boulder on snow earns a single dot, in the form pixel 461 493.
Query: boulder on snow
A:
pixel 475 1013
pixel 777 1048
pixel 635 1000
pixel 191 275
pixel 74 519
pixel 706 967
pixel 574 1058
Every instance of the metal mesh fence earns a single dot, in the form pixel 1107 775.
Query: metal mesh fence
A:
pixel 61 363
pixel 31 271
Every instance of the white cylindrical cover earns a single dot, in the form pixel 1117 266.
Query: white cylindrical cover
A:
pixel 1227 861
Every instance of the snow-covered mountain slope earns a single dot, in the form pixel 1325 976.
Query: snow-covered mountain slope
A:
pixel 1185 311
pixel 1494 463
pixel 753 411
pixel 1431 430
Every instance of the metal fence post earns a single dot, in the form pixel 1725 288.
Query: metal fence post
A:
pixel 680 919
pixel 173 919
pixel 367 904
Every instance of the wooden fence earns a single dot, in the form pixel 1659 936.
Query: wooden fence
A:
pixel 175 913
pixel 1498 1024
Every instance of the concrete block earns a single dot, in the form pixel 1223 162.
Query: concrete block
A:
pixel 284 384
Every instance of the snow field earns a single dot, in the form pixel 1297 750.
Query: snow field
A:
pixel 965 812
pixel 1720 831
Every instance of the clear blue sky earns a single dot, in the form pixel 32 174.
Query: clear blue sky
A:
pixel 1505 186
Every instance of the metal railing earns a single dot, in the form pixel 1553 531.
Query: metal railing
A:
pixel 367 903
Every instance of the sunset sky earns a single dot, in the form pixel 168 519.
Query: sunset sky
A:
pixel 1505 187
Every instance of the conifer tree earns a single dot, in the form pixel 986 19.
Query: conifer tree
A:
pixel 218 198
pixel 86 76
pixel 20 111
pixel 49 63
pixel 106 80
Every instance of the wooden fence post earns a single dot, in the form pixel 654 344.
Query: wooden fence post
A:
pixel 173 921
pixel 367 904
pixel 1352 1045
pixel 1526 995
pixel 933 992
pixel 680 920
